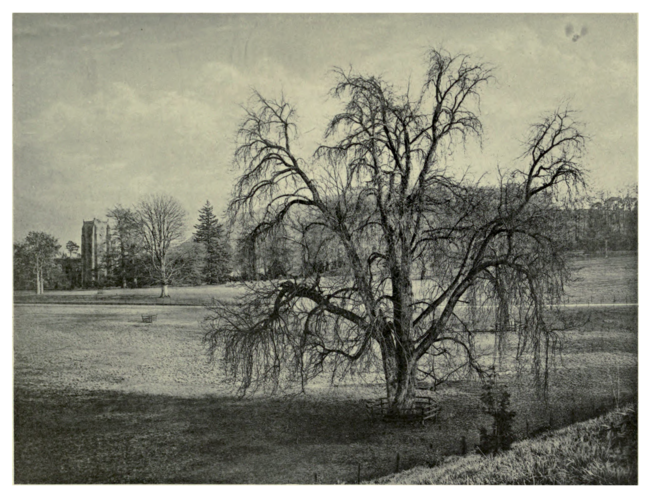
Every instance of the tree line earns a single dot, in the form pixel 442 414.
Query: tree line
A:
pixel 595 223
pixel 591 223
pixel 145 247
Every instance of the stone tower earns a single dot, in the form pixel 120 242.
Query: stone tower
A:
pixel 95 246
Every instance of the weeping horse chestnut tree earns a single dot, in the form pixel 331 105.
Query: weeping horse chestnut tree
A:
pixel 430 257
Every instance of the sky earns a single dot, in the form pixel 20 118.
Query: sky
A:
pixel 110 107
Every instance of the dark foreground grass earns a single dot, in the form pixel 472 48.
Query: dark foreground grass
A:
pixel 599 451
pixel 112 437
pixel 102 398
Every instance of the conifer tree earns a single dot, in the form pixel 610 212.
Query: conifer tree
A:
pixel 210 233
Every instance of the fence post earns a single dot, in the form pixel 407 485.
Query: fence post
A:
pixel 397 463
pixel 463 446
pixel 315 477
pixel 526 426
pixel 359 473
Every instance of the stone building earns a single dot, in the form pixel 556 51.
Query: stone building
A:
pixel 95 247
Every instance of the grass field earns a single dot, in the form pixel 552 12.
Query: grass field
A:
pixel 595 280
pixel 193 295
pixel 113 400
pixel 604 280
pixel 100 397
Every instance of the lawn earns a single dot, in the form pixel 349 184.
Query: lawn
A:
pixel 184 295
pixel 595 280
pixel 604 280
pixel 101 397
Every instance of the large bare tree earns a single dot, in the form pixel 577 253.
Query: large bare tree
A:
pixel 380 190
pixel 161 222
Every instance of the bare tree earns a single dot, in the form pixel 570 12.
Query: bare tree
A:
pixel 380 188
pixel 161 222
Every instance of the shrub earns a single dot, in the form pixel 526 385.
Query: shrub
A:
pixel 621 433
pixel 496 403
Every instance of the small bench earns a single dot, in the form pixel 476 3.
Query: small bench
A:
pixel 148 319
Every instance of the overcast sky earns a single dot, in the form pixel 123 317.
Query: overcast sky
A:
pixel 110 107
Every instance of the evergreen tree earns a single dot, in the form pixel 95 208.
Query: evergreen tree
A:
pixel 72 248
pixel 210 233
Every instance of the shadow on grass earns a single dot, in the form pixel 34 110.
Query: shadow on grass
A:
pixel 112 437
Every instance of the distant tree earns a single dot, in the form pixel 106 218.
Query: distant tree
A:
pixel 277 261
pixel 67 274
pixel 23 272
pixel 245 258
pixel 187 259
pixel 263 255
pixel 36 255
pixel 126 234
pixel 72 247
pixel 161 223
pixel 210 233
pixel 609 221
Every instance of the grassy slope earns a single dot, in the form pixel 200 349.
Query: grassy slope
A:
pixel 593 452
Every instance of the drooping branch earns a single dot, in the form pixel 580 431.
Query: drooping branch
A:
pixel 377 200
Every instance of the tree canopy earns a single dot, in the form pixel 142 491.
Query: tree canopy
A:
pixel 35 255
pixel 161 222
pixel 379 190
pixel 72 247
pixel 210 233
pixel 126 233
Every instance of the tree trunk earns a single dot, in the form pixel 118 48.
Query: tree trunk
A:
pixel 405 391
pixel 39 287
pixel 390 369
pixel 403 363
pixel 123 263
pixel 164 293
pixel 400 385
pixel 399 374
